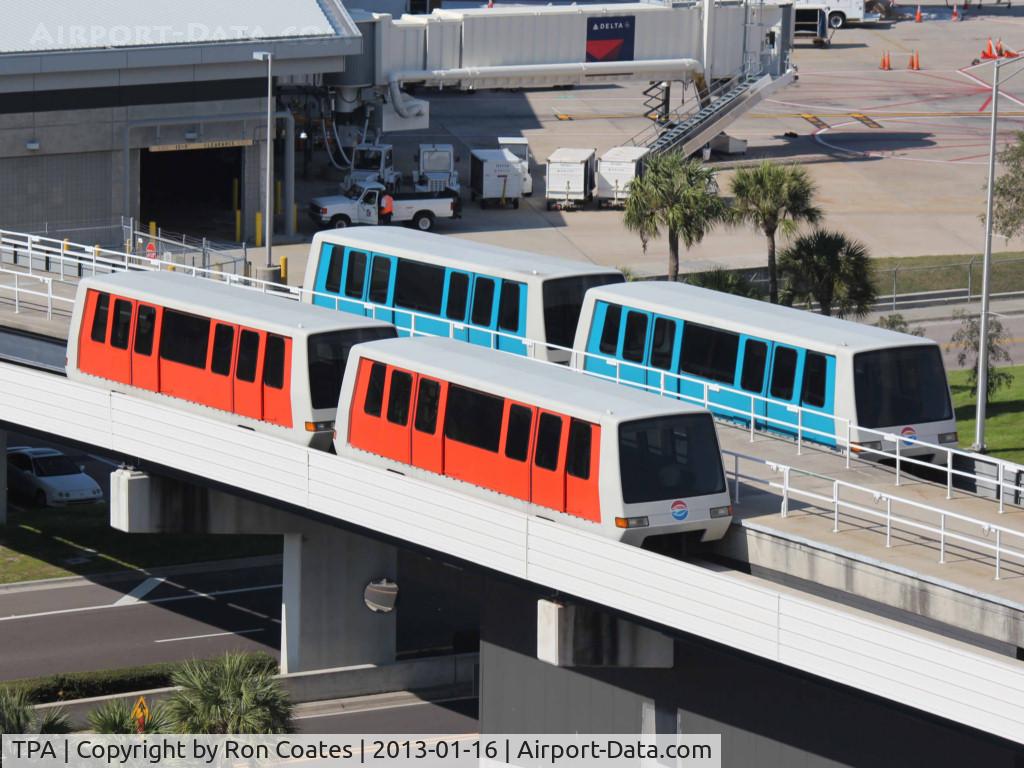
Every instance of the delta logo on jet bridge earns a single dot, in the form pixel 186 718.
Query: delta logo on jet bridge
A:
pixel 610 38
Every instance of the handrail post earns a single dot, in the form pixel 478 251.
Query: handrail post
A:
pixel 898 442
pixel 799 431
pixel 888 522
pixel 785 492
pixel 1002 489
pixel 998 552
pixel 752 402
pixel 949 474
pixel 17 305
pixel 29 238
pixel 49 299
pixel 942 538
pixel 835 506
pixel 849 447
pixel 736 478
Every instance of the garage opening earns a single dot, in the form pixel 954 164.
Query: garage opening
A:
pixel 191 191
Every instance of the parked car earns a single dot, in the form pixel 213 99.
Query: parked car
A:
pixel 49 478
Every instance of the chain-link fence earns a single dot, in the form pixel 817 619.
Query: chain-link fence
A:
pixel 960 281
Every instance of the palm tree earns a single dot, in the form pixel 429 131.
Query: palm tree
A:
pixel 18 716
pixel 116 717
pixel 724 280
pixel 235 694
pixel 830 269
pixel 773 197
pixel 678 195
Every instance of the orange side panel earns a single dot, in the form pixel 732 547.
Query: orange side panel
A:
pixel 92 355
pixel 509 476
pixel 277 403
pixel 471 464
pixel 146 368
pixel 375 433
pixel 427 449
pixel 582 497
pixel 249 394
pixel 548 486
pixel 184 381
pixel 219 390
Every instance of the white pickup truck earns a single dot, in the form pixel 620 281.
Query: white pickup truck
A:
pixel 362 206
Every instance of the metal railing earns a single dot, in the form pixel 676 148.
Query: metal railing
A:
pixel 846 437
pixel 990 542
pixel 20 292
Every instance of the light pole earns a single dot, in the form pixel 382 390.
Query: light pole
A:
pixel 268 210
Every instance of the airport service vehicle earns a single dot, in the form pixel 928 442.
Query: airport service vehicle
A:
pixel 49 478
pixel 583 452
pixel 570 177
pixel 615 172
pixel 436 171
pixel 520 147
pixel 495 176
pixel 783 367
pixel 372 163
pixel 438 285
pixel 262 362
pixel 837 12
pixel 361 205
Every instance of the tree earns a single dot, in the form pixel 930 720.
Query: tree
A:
pixel 773 198
pixel 831 269
pixel 724 280
pixel 235 694
pixel 897 322
pixel 116 717
pixel 18 716
pixel 1008 191
pixel 678 195
pixel 967 341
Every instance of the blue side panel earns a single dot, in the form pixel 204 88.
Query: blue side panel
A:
pixel 821 419
pixel 320 281
pixel 507 344
pixel 742 406
pixel 596 359
pixel 782 417
pixel 632 371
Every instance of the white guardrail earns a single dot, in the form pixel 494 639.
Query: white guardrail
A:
pixel 66 259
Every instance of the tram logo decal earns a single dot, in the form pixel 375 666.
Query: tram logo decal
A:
pixel 909 435
pixel 679 510
pixel 610 38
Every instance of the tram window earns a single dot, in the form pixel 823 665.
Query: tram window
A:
pixel 145 324
pixel 783 373
pixel 356 275
pixel 549 438
pixel 709 353
pixel 635 337
pixel 122 324
pixel 663 343
pixel 99 318
pixel 273 365
pixel 517 437
pixel 815 369
pixel 483 301
pixel 458 293
pixel 184 338
pixel 419 286
pixel 754 356
pixel 223 343
pixel 473 418
pixel 332 284
pixel 374 390
pixel 380 276
pixel 577 463
pixel 248 355
pixel 610 332
pixel 426 406
pixel 398 398
pixel 508 306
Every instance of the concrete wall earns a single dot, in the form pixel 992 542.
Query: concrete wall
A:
pixel 768 715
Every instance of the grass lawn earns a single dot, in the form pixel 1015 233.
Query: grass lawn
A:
pixel 1004 427
pixel 935 273
pixel 42 544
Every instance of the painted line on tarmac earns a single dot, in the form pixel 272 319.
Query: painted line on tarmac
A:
pixel 172 599
pixel 212 634
pixel 140 591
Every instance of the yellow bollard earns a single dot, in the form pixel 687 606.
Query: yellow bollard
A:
pixel 152 229
pixel 284 269
pixel 238 225
pixel 234 194
pixel 295 217
pixel 259 229
pixel 278 206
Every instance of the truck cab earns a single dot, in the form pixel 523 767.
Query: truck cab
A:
pixel 436 170
pixel 372 163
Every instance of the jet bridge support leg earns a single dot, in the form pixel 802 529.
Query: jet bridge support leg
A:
pixel 325 618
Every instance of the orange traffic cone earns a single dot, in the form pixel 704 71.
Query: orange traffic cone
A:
pixel 886 64
pixel 915 62
pixel 1008 54
pixel 990 51
pixel 917 15
pixel 956 14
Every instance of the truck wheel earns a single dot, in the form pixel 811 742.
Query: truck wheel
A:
pixel 549 204
pixel 423 221
pixel 341 221
pixel 836 19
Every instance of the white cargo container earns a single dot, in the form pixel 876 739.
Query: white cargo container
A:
pixel 520 147
pixel 570 177
pixel 495 175
pixel 615 172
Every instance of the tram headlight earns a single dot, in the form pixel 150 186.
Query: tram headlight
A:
pixel 873 445
pixel 949 437
pixel 631 522
pixel 721 511
pixel 319 426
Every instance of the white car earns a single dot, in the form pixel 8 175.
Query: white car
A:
pixel 49 478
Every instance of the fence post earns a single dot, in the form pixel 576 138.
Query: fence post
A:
pixel 49 299
pixel 751 418
pixel 63 255
pixel 799 431
pixel 785 492
pixel 848 446
pixel 29 238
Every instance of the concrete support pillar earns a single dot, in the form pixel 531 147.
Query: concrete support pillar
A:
pixel 324 619
pixel 289 175
pixel 3 477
